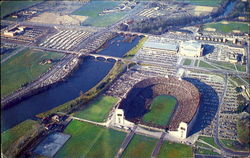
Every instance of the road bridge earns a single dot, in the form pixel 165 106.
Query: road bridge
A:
pixel 132 33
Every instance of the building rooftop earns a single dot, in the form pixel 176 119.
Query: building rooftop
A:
pixel 165 46
pixel 192 45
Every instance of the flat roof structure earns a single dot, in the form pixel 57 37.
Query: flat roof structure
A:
pixel 164 46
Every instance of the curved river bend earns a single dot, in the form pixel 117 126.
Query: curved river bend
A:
pixel 89 73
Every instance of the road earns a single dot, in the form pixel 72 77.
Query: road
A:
pixel 216 129
pixel 158 146
pixel 125 142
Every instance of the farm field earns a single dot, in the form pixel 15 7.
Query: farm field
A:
pixel 228 26
pixel 8 7
pixel 139 147
pixel 25 67
pixel 169 149
pixel 90 141
pixel 91 9
pixel 98 109
pixel 160 110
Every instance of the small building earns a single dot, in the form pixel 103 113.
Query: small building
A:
pixel 14 31
pixel 191 48
pixel 161 46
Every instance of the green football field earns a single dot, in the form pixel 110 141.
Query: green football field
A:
pixel 161 110
pixel 88 140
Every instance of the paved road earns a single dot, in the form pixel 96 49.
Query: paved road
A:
pixel 158 146
pixel 125 142
pixel 216 129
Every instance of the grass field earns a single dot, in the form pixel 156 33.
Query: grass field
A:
pixel 212 3
pixel 98 109
pixel 140 147
pixel 22 68
pixel 133 51
pixel 209 140
pixel 88 140
pixel 227 28
pixel 187 62
pixel 241 67
pixel 205 152
pixel 93 8
pixel 160 110
pixel 206 65
pixel 12 135
pixel 8 7
pixel 175 150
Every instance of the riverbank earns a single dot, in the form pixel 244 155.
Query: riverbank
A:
pixel 83 99
pixel 55 75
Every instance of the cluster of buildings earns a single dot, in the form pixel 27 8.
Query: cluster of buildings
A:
pixel 190 48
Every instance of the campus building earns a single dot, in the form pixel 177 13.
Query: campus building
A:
pixel 191 48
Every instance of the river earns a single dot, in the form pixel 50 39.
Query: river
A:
pixel 89 73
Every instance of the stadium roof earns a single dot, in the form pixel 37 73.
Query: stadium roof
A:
pixel 165 46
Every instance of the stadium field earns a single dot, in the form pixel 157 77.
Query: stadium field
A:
pixel 161 110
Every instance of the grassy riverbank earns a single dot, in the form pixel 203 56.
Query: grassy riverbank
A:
pixel 16 138
pixel 75 104
pixel 133 51
pixel 23 68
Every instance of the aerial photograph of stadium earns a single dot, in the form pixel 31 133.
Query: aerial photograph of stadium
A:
pixel 125 78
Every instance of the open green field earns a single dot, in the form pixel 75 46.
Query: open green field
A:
pixel 224 65
pixel 9 137
pixel 169 149
pixel 88 140
pixel 209 140
pixel 206 65
pixel 187 62
pixel 93 8
pixel 8 7
pixel 98 109
pixel 140 147
pixel 227 28
pixel 241 67
pixel 205 152
pixel 161 110
pixel 23 68
pixel 212 3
